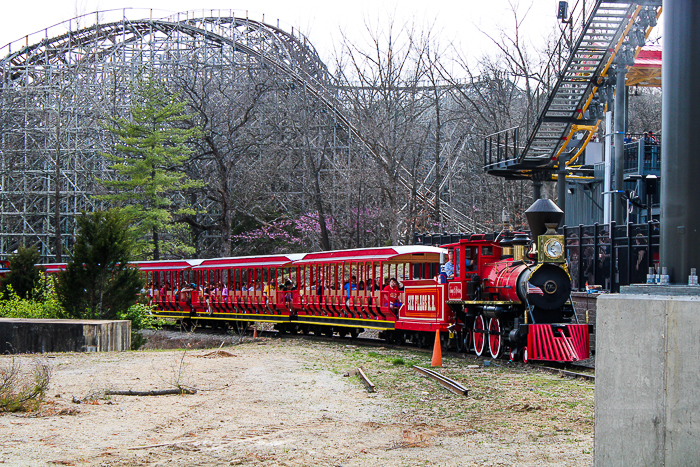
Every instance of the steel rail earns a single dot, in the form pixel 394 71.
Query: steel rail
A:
pixel 563 372
pixel 444 381
pixel 365 379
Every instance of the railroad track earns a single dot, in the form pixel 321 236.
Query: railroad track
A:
pixel 563 369
pixel 444 381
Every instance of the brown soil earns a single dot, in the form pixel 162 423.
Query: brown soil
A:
pixel 288 402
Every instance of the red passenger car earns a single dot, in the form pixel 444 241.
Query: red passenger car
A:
pixel 345 291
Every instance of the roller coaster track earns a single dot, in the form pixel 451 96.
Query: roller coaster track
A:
pixel 561 104
pixel 294 56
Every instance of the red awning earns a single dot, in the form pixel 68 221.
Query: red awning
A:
pixel 409 253
pixel 167 265
pixel 271 261
pixel 646 70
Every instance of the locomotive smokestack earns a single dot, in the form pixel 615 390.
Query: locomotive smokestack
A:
pixel 542 212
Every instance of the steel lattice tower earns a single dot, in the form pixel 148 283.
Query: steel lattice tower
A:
pixel 58 86
pixel 56 91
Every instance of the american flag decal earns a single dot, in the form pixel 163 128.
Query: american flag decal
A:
pixel 533 290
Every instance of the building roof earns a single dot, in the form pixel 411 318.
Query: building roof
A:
pixel 646 70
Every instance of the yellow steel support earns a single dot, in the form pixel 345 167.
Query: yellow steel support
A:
pixel 591 129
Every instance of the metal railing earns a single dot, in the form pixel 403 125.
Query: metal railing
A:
pixel 496 145
pixel 643 157
pixel 610 255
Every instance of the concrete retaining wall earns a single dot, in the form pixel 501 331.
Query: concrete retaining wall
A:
pixel 647 392
pixel 63 335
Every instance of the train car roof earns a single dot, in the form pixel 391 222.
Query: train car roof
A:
pixel 53 267
pixel 268 261
pixel 403 254
pixel 167 265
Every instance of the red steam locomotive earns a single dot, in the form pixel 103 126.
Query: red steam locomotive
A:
pixel 501 295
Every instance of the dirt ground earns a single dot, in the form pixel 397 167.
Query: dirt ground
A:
pixel 288 402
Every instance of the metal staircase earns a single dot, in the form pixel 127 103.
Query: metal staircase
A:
pixel 561 105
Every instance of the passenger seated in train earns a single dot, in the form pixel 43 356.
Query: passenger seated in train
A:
pixel 149 293
pixel 288 287
pixel 352 285
pixel 442 277
pixel 450 265
pixel 188 296
pixel 270 288
pixel 189 288
pixel 164 289
pixel 391 295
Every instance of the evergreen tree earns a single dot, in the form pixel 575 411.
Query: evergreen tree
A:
pixel 24 276
pixel 98 282
pixel 150 149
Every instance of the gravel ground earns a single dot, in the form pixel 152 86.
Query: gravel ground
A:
pixel 289 402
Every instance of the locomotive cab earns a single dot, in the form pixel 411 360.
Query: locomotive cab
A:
pixel 471 255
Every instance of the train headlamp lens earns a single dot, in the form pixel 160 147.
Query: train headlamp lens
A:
pixel 553 248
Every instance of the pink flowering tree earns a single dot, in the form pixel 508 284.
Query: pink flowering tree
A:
pixel 278 236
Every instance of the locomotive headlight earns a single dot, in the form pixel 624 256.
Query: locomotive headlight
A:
pixel 553 248
pixel 550 249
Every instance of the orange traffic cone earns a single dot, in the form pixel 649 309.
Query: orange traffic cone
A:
pixel 437 351
pixel 255 332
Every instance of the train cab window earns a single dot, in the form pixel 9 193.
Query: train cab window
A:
pixel 469 258
pixel 487 251
pixel 458 262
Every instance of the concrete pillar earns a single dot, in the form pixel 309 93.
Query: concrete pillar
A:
pixel 619 141
pixel 647 379
pixel 680 161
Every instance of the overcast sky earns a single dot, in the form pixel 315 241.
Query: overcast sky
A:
pixel 322 21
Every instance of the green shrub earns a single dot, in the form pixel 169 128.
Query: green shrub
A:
pixel 45 305
pixel 98 282
pixel 141 317
pixel 24 276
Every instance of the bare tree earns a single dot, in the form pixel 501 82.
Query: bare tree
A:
pixel 644 110
pixel 226 111
pixel 381 86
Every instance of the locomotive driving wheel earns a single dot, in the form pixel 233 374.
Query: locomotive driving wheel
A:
pixel 466 340
pixel 459 341
pixel 479 340
pixel 495 338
